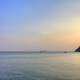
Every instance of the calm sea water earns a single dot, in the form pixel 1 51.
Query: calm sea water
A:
pixel 40 66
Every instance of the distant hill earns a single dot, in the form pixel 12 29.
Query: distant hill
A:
pixel 78 49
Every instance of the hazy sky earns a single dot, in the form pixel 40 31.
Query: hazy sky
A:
pixel 39 24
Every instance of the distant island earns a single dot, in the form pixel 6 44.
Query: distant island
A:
pixel 78 49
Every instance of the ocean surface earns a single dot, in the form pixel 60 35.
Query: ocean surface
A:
pixel 40 66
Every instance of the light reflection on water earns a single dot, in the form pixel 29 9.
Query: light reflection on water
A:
pixel 40 67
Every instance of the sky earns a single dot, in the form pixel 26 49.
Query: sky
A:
pixel 39 25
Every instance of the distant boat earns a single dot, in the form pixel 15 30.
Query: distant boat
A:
pixel 78 49
pixel 43 51
pixel 65 52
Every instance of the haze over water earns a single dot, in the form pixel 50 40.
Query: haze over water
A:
pixel 45 66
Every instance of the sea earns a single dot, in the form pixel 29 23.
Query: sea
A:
pixel 40 66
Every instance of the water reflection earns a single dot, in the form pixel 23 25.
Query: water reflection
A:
pixel 40 67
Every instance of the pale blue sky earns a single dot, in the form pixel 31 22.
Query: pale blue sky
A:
pixel 39 24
